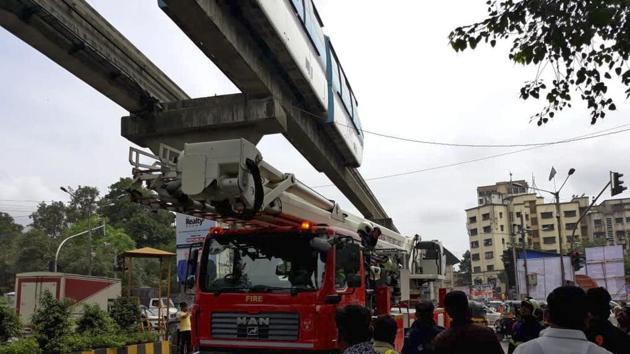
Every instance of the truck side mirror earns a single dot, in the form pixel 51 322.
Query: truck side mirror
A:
pixel 353 280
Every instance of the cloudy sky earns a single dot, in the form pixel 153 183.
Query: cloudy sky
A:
pixel 56 130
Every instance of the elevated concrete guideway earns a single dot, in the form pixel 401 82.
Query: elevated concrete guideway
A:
pixel 235 38
pixel 79 39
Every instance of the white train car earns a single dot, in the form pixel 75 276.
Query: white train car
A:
pixel 298 25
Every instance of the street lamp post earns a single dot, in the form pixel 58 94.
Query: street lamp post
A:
pixel 556 195
pixel 89 231
pixel 89 214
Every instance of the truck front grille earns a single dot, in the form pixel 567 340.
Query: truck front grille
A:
pixel 273 326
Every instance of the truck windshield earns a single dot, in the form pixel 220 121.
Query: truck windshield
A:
pixel 261 263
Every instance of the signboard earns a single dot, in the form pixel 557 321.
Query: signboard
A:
pixel 605 266
pixel 190 231
pixel 543 274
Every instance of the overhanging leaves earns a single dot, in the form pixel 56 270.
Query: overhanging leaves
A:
pixel 585 43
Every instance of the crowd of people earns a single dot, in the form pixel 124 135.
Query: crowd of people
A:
pixel 574 321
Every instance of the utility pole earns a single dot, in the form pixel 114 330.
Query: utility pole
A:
pixel 524 243
pixel 558 221
pixel 516 283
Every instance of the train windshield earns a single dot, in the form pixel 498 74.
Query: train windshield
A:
pixel 261 263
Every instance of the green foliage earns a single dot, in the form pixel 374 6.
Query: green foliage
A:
pixel 21 346
pixel 126 313
pixel 50 218
pixel 95 321
pixel 35 251
pixel 147 227
pixel 10 325
pixel 82 202
pixel 8 225
pixel 51 323
pixel 9 232
pixel 465 269
pixel 585 44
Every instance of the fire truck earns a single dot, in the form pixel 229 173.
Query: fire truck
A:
pixel 272 278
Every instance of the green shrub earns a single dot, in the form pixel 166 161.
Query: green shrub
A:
pixel 126 313
pixel 95 321
pixel 21 346
pixel 51 323
pixel 142 337
pixel 10 325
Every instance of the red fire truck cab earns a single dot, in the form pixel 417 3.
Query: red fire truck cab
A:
pixel 278 289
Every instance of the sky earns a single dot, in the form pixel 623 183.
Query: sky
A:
pixel 58 131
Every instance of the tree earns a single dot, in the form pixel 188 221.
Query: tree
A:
pixel 583 43
pixel 9 232
pixel 8 226
pixel 82 202
pixel 51 322
pixel 35 251
pixel 50 218
pixel 145 226
pixel 465 269
pixel 10 325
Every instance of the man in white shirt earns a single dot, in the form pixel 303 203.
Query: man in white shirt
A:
pixel 568 311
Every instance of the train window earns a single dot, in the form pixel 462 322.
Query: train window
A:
pixel 313 27
pixel 298 5
pixel 345 93
pixel 334 67
pixel 355 115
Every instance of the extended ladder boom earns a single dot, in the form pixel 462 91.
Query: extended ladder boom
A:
pixel 228 181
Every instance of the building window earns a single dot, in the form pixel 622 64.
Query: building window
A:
pixel 570 213
pixel 487 242
pixel 534 221
pixel 501 226
pixel 478 281
pixel 474 256
pixel 620 234
pixel 474 244
pixel 599 234
pixel 570 226
pixel 473 232
pixel 545 215
pixel 549 240
pixel 597 222
pixel 477 270
pixel 489 255
pixel 618 220
pixel 547 227
pixel 472 219
pixel 485 216
pixel 500 215
pixel 490 268
pixel 487 229
pixel 518 214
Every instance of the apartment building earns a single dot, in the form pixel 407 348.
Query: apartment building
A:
pixel 610 221
pixel 495 225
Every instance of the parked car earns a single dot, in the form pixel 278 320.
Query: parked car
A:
pixel 168 309
pixel 149 316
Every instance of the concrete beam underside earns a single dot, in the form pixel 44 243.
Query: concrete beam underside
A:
pixel 214 27
pixel 79 39
pixel 205 119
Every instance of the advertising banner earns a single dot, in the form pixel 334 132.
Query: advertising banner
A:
pixel 190 231
pixel 605 266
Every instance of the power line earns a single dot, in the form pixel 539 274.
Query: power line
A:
pixel 578 138
pixel 441 143
pixel 427 142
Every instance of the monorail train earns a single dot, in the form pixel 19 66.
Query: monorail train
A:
pixel 299 26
